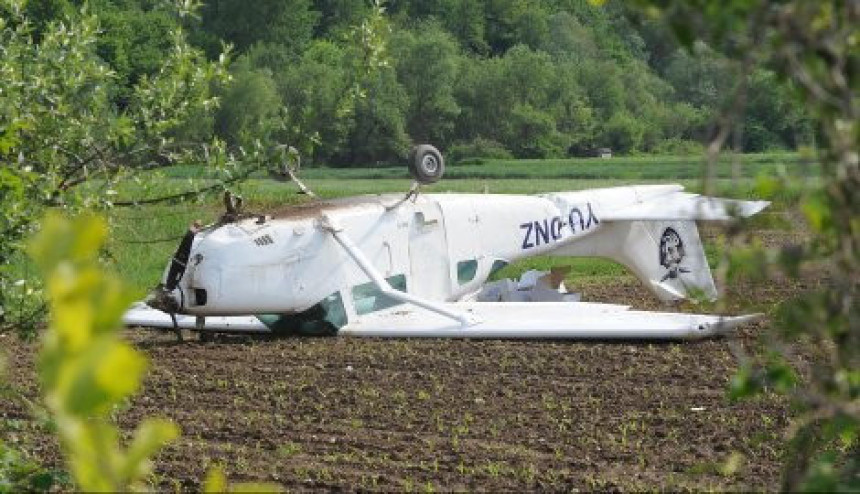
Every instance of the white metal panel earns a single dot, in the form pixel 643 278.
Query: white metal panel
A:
pixel 548 320
pixel 428 253
pixel 139 315
pixel 462 225
pixel 686 206
pixel 509 320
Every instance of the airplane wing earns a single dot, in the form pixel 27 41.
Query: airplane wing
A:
pixel 141 315
pixel 542 320
pixel 497 320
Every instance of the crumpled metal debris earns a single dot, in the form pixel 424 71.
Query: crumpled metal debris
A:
pixel 533 286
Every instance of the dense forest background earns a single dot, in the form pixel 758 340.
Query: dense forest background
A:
pixel 497 78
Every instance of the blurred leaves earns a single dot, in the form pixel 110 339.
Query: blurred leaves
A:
pixel 86 371
pixel 812 48
pixel 216 481
pixel 774 374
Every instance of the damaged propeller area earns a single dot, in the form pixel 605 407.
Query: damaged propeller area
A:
pixel 417 265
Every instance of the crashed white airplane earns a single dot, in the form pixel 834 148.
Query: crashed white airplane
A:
pixel 386 266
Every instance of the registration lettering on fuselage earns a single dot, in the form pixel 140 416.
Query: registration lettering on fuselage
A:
pixel 550 230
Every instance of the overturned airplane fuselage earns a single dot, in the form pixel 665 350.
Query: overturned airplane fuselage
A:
pixel 374 267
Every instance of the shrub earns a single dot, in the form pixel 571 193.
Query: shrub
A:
pixel 676 146
pixel 476 151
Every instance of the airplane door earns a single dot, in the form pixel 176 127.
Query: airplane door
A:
pixel 428 253
pixel 462 224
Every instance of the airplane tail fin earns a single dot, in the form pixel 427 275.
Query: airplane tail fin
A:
pixel 666 255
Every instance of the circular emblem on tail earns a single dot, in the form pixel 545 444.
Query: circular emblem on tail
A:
pixel 671 253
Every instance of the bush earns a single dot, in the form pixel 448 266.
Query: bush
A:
pixel 476 151
pixel 250 107
pixel 623 133
pixel 676 146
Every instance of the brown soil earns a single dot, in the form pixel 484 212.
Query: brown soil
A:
pixel 364 414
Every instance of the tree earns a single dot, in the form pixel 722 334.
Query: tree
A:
pixel 482 97
pixel 464 19
pixel 318 118
pixel 427 65
pixel 511 100
pixel 375 99
pixel 772 119
pixel 288 23
pixel 379 133
pixel 250 109
pixel 59 128
pixel 623 133
pixel 701 76
pixel 501 17
pixel 602 83
pixel 569 40
pixel 337 17
pixel 532 26
pixel 133 42
pixel 311 100
pixel 42 12
pixel 533 133
pixel 574 117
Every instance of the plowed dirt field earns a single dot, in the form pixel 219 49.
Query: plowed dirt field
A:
pixel 365 414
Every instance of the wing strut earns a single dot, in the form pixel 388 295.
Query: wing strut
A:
pixel 355 253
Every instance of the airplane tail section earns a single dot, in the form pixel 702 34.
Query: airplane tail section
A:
pixel 652 230
pixel 666 255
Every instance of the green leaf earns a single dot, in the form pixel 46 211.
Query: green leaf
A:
pixel 817 212
pixel 92 452
pixel 112 300
pixel 215 481
pixel 93 382
pixel 62 240
pixel 151 435
pixel 767 187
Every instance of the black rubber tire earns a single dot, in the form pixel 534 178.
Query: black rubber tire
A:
pixel 426 164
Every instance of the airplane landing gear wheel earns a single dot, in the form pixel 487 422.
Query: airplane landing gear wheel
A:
pixel 426 164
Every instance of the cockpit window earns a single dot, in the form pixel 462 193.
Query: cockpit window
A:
pixel 368 298
pixel 498 265
pixel 466 271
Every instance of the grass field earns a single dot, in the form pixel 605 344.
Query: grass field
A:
pixel 646 167
pixel 365 414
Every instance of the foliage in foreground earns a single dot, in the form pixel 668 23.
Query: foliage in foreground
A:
pixel 815 49
pixel 85 369
pixel 60 128
pixel 88 373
